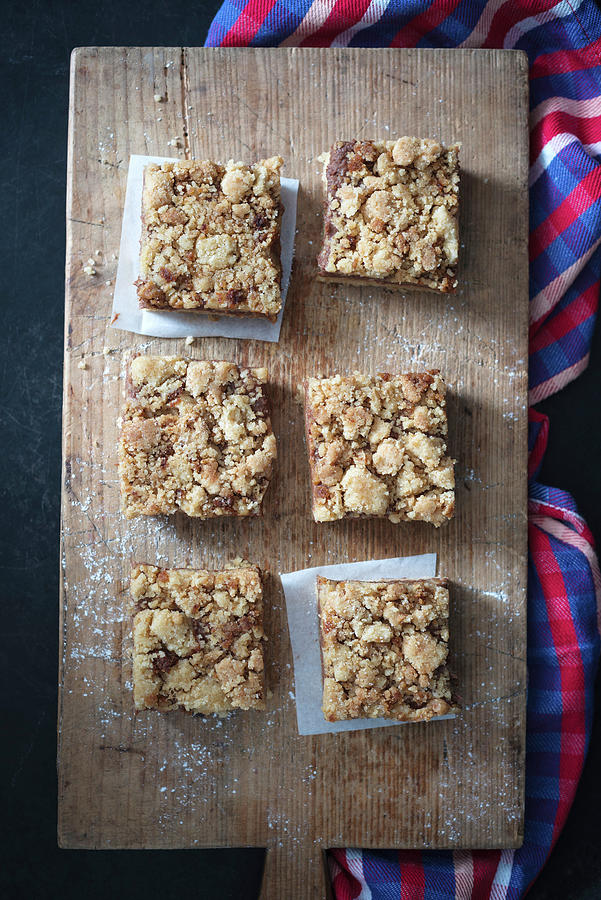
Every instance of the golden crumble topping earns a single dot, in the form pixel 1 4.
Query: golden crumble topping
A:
pixel 198 639
pixel 377 447
pixel 211 237
pixel 390 212
pixel 384 649
pixel 195 436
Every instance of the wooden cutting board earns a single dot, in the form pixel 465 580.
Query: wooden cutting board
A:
pixel 162 781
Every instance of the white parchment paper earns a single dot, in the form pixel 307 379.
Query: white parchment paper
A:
pixel 128 316
pixel 303 624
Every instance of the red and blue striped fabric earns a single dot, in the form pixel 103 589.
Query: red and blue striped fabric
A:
pixel 563 43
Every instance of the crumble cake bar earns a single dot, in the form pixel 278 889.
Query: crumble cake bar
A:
pixel 390 213
pixel 377 447
pixel 198 639
pixel 195 436
pixel 384 649
pixel 211 237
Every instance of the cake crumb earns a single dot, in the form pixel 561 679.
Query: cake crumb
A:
pixel 82 364
pixel 198 639
pixel 391 213
pixel 159 98
pixel 377 447
pixel 189 340
pixel 384 649
pixel 219 416
pixel 227 220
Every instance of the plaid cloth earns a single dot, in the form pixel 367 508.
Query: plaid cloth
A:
pixel 563 43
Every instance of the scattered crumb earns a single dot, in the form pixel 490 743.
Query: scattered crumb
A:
pixel 189 340
pixel 175 142
pixel 82 364
pixel 159 98
pixel 98 252
pixel 89 270
pixel 108 283
pixel 106 351
pixel 113 256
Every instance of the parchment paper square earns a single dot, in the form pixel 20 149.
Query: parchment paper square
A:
pixel 303 625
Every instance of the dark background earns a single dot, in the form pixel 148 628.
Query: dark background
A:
pixel 36 40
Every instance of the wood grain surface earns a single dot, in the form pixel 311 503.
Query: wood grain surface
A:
pixel 172 780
